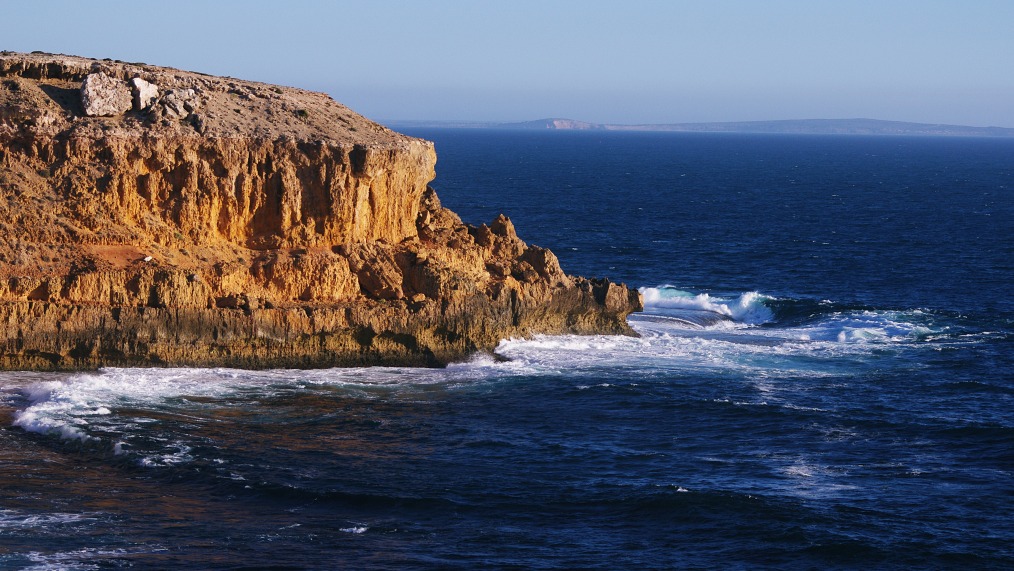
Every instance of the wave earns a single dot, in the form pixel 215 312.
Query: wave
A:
pixel 790 319
pixel 680 331
pixel 12 519
pixel 67 407
pixel 750 307
pixel 119 412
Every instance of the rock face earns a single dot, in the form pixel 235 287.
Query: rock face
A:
pixel 151 216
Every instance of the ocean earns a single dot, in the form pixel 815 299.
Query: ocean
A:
pixel 824 379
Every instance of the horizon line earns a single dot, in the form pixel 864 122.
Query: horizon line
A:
pixel 666 123
pixel 856 126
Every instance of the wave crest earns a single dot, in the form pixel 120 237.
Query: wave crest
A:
pixel 750 307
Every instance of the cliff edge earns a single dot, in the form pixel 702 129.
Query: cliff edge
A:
pixel 157 217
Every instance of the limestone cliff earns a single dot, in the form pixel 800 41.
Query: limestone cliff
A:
pixel 150 216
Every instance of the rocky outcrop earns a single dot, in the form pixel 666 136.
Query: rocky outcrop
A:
pixel 151 216
pixel 145 94
pixel 102 95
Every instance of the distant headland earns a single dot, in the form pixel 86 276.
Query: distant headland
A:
pixel 786 127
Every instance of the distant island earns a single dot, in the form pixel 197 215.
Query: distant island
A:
pixel 788 126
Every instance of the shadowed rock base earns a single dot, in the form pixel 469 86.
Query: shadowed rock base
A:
pixel 45 336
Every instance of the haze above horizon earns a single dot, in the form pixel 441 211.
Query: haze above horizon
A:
pixel 929 61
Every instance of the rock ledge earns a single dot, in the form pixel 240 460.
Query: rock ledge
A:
pixel 156 217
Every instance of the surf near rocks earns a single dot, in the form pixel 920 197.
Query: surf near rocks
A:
pixel 152 216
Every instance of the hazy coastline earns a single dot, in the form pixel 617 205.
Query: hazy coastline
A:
pixel 784 126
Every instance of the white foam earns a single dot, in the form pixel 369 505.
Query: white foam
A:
pixel 571 354
pixel 864 327
pixel 667 345
pixel 11 519
pixel 746 308
pixel 180 455
pixel 79 559
pixel 85 406
pixel 61 407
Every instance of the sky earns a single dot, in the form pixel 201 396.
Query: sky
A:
pixel 636 61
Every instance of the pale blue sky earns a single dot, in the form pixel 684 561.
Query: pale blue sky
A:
pixel 637 61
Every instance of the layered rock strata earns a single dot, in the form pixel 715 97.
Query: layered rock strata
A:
pixel 150 216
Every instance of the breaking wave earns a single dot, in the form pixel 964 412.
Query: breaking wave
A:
pixel 790 319
pixel 679 332
pixel 749 307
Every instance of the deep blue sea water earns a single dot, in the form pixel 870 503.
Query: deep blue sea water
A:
pixel 824 379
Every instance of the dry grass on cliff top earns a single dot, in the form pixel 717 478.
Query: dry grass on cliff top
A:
pixel 228 107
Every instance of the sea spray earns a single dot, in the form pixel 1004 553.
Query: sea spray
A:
pixel 749 307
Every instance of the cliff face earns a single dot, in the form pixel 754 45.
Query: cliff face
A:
pixel 154 216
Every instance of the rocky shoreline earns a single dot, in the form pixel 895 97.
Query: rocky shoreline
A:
pixel 157 217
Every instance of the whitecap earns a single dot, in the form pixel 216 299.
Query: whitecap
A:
pixel 180 455
pixel 749 307
pixel 70 407
pixel 11 519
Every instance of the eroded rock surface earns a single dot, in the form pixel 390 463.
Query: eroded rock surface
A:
pixel 102 95
pixel 145 94
pixel 220 222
